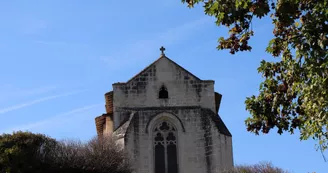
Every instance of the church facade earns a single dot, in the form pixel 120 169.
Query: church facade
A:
pixel 167 120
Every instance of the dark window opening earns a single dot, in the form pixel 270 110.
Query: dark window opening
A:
pixel 165 149
pixel 159 154
pixel 163 94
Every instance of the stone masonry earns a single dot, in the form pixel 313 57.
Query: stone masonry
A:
pixel 199 142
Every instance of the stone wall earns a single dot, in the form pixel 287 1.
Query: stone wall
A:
pixel 109 102
pixel 104 124
pixel 184 89
pixel 201 147
pixel 204 143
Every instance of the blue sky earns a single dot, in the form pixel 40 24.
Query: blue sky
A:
pixel 58 58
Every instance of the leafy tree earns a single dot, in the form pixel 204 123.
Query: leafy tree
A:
pixel 294 93
pixel 24 152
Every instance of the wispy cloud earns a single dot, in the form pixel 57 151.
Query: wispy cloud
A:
pixel 54 120
pixel 123 57
pixel 9 92
pixel 33 102
pixel 58 43
pixel 181 32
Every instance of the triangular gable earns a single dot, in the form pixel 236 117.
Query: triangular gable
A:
pixel 152 64
pixel 120 131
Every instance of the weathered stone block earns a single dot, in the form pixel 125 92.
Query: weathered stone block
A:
pixel 202 142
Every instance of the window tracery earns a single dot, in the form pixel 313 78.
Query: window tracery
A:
pixel 165 148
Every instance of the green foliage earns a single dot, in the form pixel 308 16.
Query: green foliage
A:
pixel 294 93
pixel 25 152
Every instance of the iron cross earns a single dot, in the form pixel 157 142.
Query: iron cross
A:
pixel 162 49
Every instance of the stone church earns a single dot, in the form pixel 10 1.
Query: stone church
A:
pixel 167 120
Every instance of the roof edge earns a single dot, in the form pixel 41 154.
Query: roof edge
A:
pixel 147 67
pixel 218 121
pixel 184 69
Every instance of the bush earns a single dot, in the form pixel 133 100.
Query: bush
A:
pixel 263 167
pixel 97 155
pixel 25 152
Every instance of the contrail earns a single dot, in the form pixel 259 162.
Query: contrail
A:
pixel 19 106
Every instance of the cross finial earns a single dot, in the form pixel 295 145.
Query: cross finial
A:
pixel 162 49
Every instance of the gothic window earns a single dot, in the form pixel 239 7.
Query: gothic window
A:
pixel 163 94
pixel 165 148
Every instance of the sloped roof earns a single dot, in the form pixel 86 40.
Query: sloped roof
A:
pixel 222 128
pixel 162 56
pixel 120 131
pixel 217 120
pixel 217 98
pixel 100 122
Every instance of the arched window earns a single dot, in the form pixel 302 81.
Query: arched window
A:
pixel 163 94
pixel 165 148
